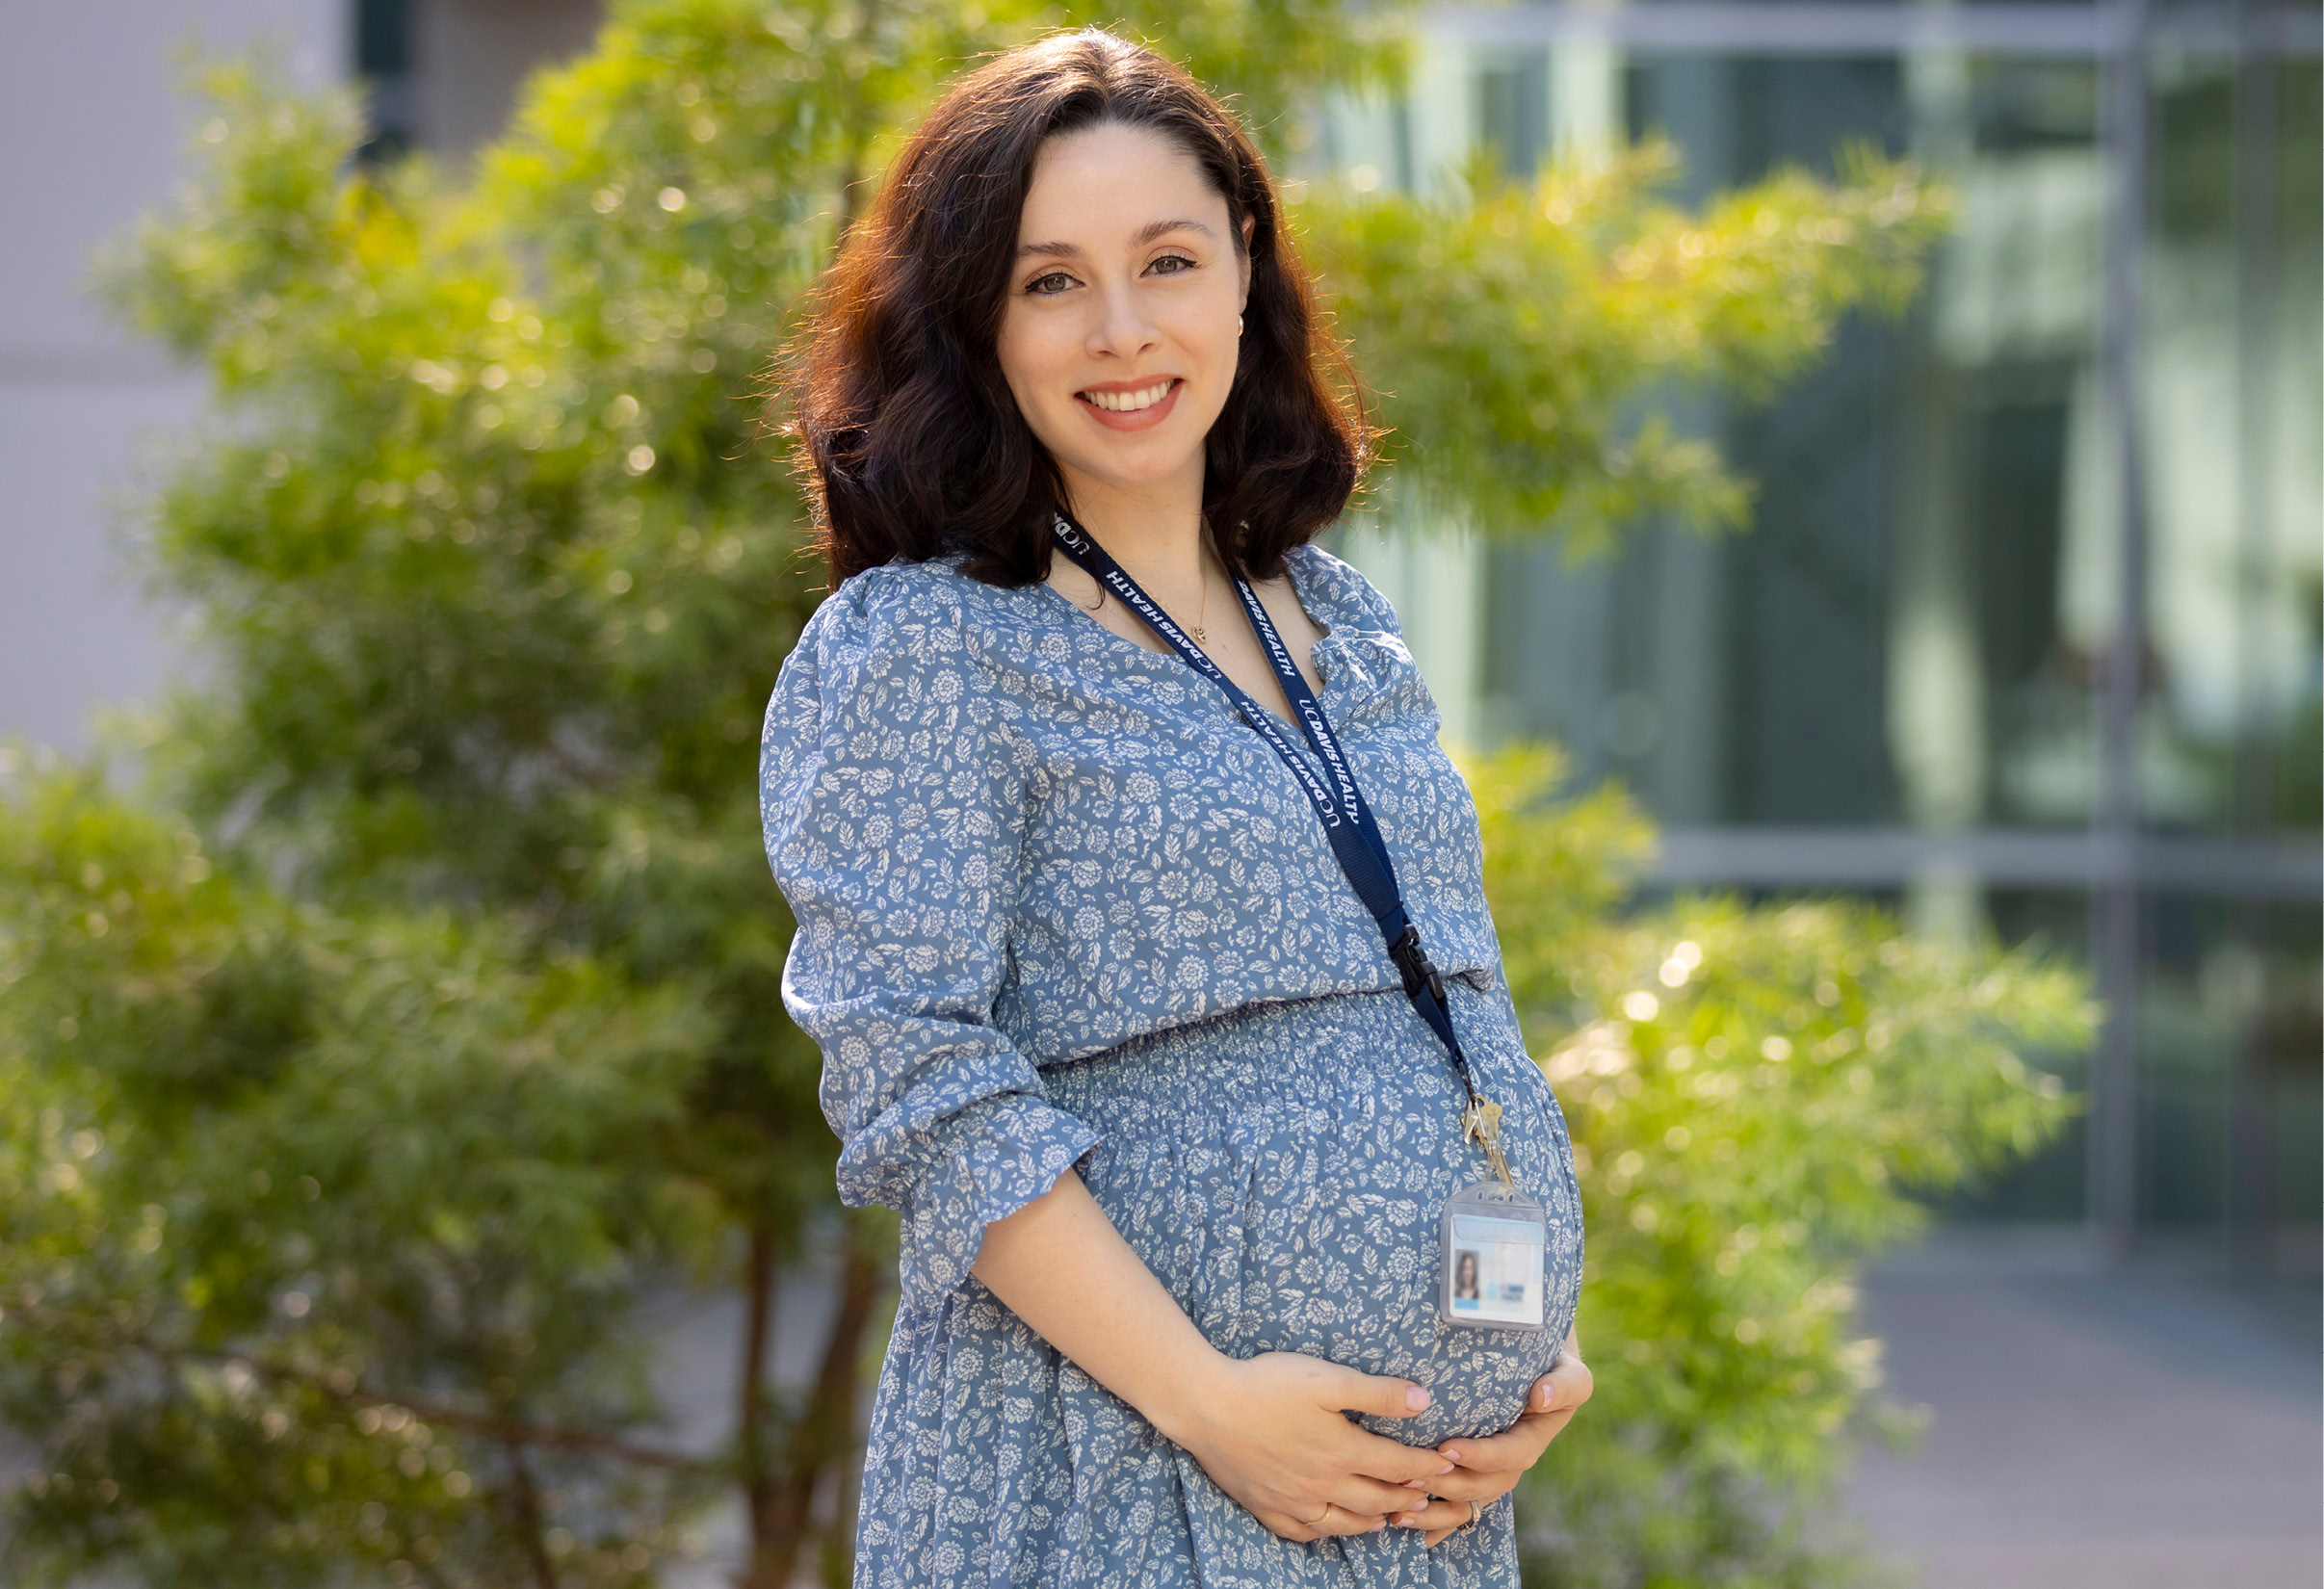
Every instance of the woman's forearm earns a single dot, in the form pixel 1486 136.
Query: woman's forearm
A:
pixel 1059 1264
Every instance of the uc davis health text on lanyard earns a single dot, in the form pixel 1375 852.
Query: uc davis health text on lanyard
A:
pixel 1347 821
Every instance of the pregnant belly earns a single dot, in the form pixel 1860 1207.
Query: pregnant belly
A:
pixel 1283 1171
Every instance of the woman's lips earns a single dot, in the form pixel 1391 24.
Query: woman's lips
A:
pixel 1140 419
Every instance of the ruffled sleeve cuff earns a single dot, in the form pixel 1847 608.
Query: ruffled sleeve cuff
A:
pixel 996 1156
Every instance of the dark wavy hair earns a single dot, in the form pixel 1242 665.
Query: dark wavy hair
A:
pixel 911 445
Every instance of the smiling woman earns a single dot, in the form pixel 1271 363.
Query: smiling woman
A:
pixel 1175 1105
pixel 917 443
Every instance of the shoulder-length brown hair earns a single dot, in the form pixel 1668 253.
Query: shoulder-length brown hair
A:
pixel 912 446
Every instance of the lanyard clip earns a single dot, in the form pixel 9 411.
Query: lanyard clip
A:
pixel 1412 959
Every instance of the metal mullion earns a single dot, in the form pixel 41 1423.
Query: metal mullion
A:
pixel 1785 27
pixel 2247 1205
pixel 1840 27
pixel 1891 857
pixel 2117 924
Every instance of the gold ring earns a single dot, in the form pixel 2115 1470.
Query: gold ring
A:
pixel 1476 1511
pixel 1318 1520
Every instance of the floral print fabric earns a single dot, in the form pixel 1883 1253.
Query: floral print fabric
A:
pixel 1058 906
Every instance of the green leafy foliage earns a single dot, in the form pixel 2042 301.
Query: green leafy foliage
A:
pixel 1754 1092
pixel 299 1208
pixel 1517 332
pixel 421 1012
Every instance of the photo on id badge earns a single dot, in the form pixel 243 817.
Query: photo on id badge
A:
pixel 1491 1261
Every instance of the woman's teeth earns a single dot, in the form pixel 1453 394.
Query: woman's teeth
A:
pixel 1129 403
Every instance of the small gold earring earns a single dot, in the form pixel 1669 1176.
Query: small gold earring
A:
pixel 1238 326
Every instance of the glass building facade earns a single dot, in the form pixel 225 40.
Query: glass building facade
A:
pixel 2027 631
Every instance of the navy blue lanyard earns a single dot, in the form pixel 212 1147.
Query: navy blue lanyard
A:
pixel 1347 821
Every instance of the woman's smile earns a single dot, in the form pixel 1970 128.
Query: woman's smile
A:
pixel 1132 405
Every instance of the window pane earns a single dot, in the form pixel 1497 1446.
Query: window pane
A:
pixel 1907 631
pixel 2230 738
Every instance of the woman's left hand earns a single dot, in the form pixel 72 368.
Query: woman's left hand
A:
pixel 1487 1468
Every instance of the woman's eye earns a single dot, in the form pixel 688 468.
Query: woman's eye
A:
pixel 1055 281
pixel 1172 265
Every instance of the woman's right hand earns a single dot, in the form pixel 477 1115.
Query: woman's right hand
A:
pixel 1272 1432
pixel 1269 1431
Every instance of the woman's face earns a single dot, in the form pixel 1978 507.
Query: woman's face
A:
pixel 1119 337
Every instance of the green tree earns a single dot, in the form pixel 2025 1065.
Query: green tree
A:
pixel 416 1010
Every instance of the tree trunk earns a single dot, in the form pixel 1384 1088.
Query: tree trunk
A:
pixel 825 1431
pixel 758 1467
pixel 524 1505
pixel 839 1543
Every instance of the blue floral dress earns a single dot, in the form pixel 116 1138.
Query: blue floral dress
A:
pixel 1059 906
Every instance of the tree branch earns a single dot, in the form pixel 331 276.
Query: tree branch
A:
pixel 508 1431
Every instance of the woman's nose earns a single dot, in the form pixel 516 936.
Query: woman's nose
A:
pixel 1123 327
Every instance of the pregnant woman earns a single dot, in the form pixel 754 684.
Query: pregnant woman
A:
pixel 1141 916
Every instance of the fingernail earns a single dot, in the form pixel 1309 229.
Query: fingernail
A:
pixel 1416 1399
pixel 1452 1461
pixel 1408 1519
pixel 1377 1524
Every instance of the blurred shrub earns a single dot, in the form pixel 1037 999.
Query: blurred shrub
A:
pixel 261 1162
pixel 1755 1092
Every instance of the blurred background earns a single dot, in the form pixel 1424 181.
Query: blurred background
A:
pixel 2027 636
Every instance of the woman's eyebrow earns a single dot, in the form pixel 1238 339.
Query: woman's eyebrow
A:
pixel 1146 234
pixel 1153 229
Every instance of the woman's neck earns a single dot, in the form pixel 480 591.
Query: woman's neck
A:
pixel 1153 532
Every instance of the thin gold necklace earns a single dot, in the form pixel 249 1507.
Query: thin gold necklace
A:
pixel 1202 614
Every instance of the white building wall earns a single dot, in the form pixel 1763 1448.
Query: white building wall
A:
pixel 93 130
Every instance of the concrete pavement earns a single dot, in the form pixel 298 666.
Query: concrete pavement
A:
pixel 2152 1425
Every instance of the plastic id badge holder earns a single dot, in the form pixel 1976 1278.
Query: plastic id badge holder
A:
pixel 1490 1258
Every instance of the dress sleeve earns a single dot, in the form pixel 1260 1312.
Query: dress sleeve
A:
pixel 1350 590
pixel 893 800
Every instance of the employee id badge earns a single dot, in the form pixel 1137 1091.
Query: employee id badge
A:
pixel 1489 1269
